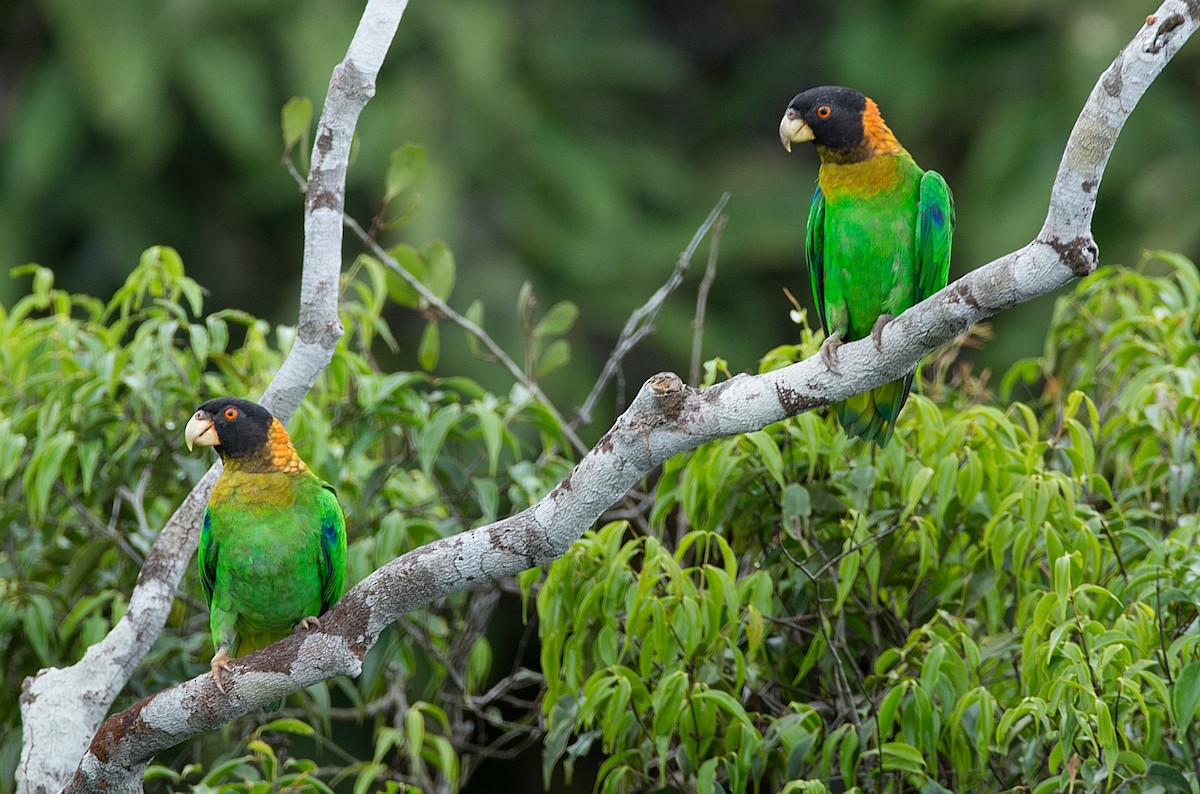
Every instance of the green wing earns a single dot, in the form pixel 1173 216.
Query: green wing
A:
pixel 935 227
pixel 333 547
pixel 207 557
pixel 814 252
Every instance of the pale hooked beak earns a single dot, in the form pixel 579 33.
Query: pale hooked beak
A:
pixel 793 130
pixel 200 431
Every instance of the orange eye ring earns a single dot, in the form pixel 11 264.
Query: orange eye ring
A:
pixel 231 413
pixel 824 111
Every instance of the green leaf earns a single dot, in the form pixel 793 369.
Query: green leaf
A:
pixel 916 489
pixel 847 572
pixel 370 774
pixel 668 701
pixel 769 454
pixel 902 757
pixel 431 437
pixel 414 734
pixel 399 288
pixel 557 321
pixel 1185 695
pixel 296 121
pixel 1167 776
pixel 474 313
pixel 288 725
pixel 440 272
pixel 491 426
pixel 405 167
pixel 45 469
pixel 427 351
pixel 557 354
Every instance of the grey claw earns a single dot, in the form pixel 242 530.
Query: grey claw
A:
pixel 829 350
pixel 877 330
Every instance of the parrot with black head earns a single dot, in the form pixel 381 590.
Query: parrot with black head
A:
pixel 272 552
pixel 878 241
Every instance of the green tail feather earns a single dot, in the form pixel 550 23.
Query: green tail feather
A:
pixel 872 416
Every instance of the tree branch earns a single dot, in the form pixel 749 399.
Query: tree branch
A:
pixel 641 320
pixel 665 418
pixel 51 745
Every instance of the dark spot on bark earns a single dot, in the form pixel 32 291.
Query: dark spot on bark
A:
pixel 1112 81
pixel 1079 254
pixel 325 142
pixel 565 485
pixel 277 660
pixel 713 393
pixel 1166 26
pixel 605 444
pixel 792 401
pixel 1089 185
pixel 324 198
pixel 114 730
pixel 961 293
pixel 510 542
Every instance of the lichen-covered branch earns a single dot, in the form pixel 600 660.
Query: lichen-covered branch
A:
pixel 52 745
pixel 665 418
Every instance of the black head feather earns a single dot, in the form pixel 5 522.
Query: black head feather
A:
pixel 835 116
pixel 241 426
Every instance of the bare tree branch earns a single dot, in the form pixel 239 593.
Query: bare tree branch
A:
pixel 665 418
pixel 52 744
pixel 710 275
pixel 641 321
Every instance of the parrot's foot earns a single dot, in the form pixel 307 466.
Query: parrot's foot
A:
pixel 829 349
pixel 877 329
pixel 220 662
pixel 310 623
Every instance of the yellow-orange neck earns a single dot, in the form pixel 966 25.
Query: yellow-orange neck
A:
pixel 876 133
pixel 277 455
pixel 876 140
pixel 860 179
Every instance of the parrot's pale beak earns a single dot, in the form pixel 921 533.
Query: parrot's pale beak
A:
pixel 793 130
pixel 200 431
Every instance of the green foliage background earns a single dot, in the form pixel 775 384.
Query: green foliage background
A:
pixel 573 143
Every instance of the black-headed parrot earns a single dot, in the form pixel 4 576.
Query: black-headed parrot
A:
pixel 878 242
pixel 273 544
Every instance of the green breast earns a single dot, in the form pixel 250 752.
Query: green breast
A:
pixel 267 532
pixel 870 239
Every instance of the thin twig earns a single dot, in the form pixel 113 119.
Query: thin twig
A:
pixel 641 321
pixel 442 309
pixel 710 275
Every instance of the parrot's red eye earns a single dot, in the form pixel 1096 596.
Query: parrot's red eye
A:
pixel 231 413
pixel 824 111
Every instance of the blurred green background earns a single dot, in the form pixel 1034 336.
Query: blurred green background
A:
pixel 574 144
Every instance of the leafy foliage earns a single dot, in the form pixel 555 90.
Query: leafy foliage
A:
pixel 93 465
pixel 1006 597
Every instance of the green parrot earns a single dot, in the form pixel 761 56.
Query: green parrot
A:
pixel 273 545
pixel 879 232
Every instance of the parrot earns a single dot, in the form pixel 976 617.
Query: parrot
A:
pixel 272 553
pixel 878 237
